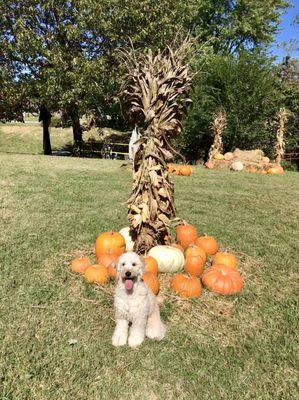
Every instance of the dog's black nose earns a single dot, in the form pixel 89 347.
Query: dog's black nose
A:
pixel 128 273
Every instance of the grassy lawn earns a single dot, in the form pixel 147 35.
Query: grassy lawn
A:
pixel 20 138
pixel 55 330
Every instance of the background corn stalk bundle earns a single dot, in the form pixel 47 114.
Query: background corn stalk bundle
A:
pixel 218 125
pixel 155 94
pixel 280 144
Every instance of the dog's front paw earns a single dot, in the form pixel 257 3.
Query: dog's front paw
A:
pixel 119 339
pixel 135 340
pixel 156 332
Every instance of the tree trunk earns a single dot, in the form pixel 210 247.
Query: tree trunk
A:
pixel 77 129
pixel 46 138
pixel 45 118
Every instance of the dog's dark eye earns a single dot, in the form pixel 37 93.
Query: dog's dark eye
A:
pixel 134 264
pixel 123 264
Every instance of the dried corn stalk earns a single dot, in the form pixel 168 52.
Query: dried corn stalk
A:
pixel 156 96
pixel 280 144
pixel 218 125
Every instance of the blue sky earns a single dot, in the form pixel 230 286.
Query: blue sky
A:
pixel 287 31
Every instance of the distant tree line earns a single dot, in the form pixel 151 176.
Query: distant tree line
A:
pixel 63 56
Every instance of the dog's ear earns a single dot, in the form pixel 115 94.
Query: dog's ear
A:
pixel 114 264
pixel 142 262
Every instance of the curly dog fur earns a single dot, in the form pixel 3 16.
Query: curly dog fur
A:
pixel 134 304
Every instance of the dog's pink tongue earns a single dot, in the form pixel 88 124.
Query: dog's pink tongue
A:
pixel 128 284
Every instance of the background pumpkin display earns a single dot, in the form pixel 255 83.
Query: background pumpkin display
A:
pixel 79 265
pixel 228 156
pixel 186 286
pixel 169 258
pixel 237 166
pixel 219 156
pixel 209 164
pixel 275 170
pixel 180 169
pixel 171 168
pixel 222 279
pixel 185 170
pixel 265 160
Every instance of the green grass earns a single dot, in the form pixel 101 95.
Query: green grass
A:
pixel 20 138
pixel 234 348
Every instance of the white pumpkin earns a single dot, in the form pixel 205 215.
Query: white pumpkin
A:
pixel 266 160
pixel 125 232
pixel 169 259
pixel 237 166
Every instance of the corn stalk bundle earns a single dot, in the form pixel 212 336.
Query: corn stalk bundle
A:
pixel 156 95
pixel 280 144
pixel 218 125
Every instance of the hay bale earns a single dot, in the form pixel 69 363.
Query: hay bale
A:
pixel 249 155
pixel 222 164
pixel 229 156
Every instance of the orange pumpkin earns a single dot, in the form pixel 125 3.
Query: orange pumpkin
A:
pixel 194 250
pixel 228 259
pixel 171 168
pixel 151 265
pixel 194 265
pixel 178 169
pixel 218 156
pixel 185 170
pixel 186 234
pixel 186 286
pixel 96 274
pixel 222 279
pixel 208 244
pixel 79 265
pixel 111 271
pixel 276 170
pixel 252 169
pixel 209 164
pixel 178 246
pixel 110 243
pixel 107 259
pixel 151 281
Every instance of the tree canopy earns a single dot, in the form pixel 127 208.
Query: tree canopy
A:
pixel 248 89
pixel 64 54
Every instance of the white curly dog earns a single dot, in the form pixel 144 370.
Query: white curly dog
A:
pixel 134 304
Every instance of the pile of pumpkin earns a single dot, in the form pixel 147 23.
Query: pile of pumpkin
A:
pixel 180 169
pixel 271 169
pixel 262 167
pixel 190 253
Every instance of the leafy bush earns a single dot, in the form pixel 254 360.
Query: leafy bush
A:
pixel 248 89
